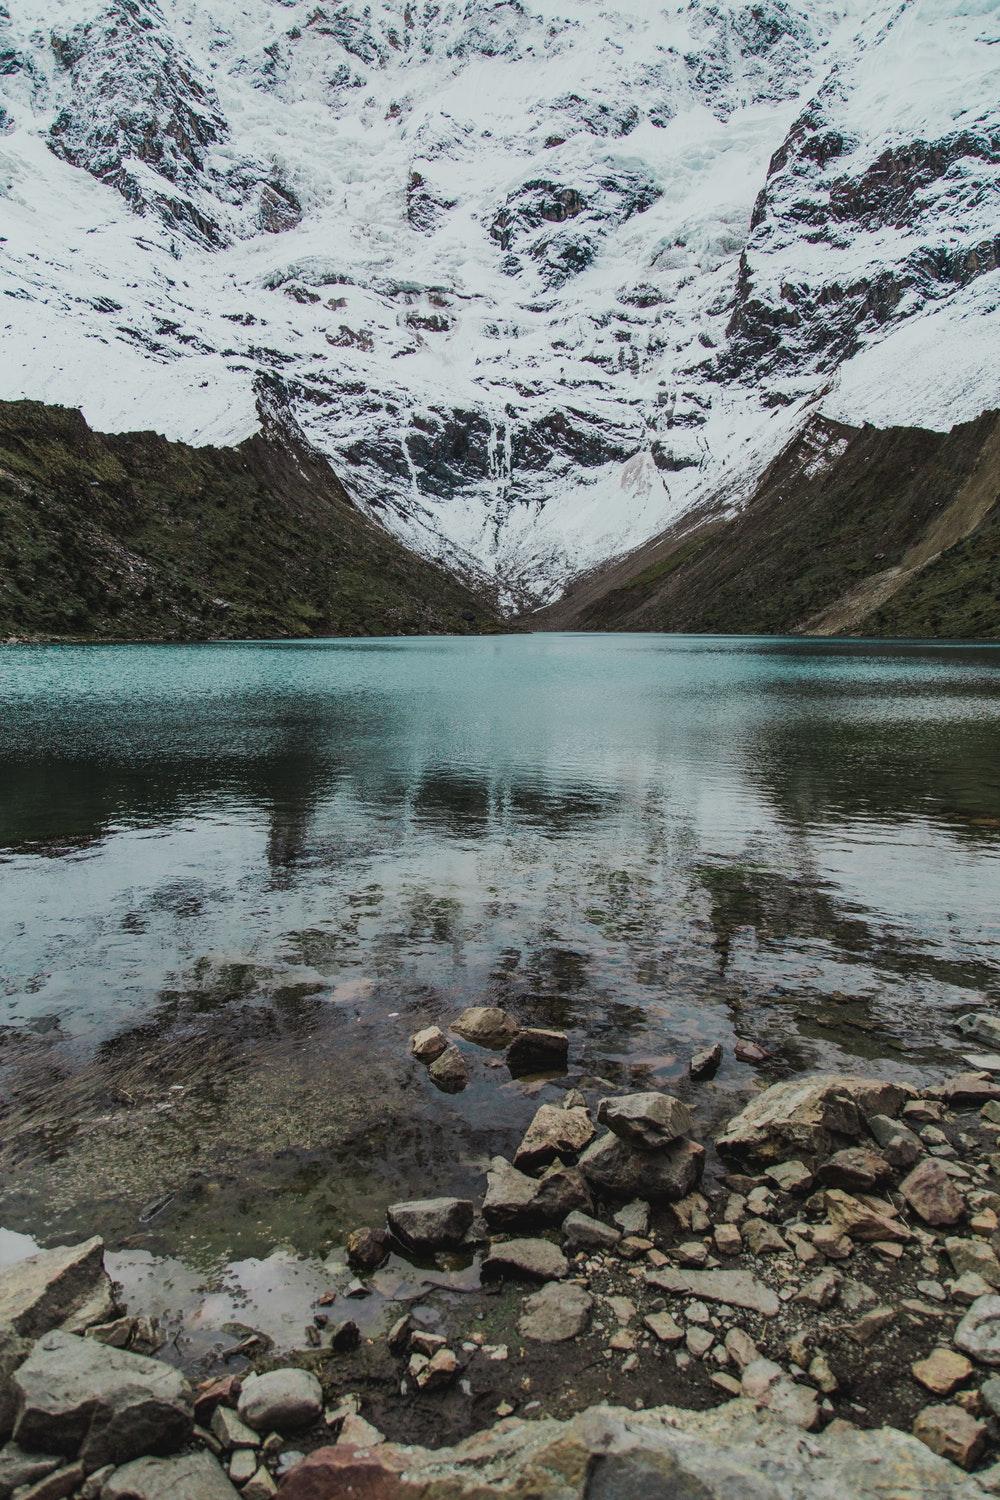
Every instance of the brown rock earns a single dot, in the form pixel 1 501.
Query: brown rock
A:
pixel 932 1194
pixel 942 1371
pixel 428 1044
pixel 952 1433
pixel 367 1248
pixel 361 1473
pixel 751 1052
pixel 966 1088
pixel 855 1168
pixel 535 1050
pixel 859 1220
pixel 449 1071
pixel 213 1393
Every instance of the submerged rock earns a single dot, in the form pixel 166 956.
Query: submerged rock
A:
pixel 486 1025
pixel 535 1050
pixel 449 1071
pixel 646 1121
pixel 706 1063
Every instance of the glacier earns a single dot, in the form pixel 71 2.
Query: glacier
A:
pixel 536 276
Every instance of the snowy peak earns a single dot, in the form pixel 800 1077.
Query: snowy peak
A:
pixel 537 276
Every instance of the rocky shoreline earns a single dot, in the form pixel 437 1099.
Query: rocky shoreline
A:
pixel 808 1302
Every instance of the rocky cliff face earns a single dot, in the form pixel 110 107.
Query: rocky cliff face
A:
pixel 538 276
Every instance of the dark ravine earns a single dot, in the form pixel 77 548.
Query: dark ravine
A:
pixel 133 537
pixel 851 531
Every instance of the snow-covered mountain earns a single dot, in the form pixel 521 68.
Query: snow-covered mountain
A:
pixel 536 275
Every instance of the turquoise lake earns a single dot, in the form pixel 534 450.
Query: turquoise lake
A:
pixel 234 879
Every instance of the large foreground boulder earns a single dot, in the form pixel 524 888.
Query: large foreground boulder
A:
pixel 646 1121
pixel 431 1223
pixel 79 1396
pixel 614 1170
pixel 609 1453
pixel 194 1476
pixel 64 1288
pixel 807 1118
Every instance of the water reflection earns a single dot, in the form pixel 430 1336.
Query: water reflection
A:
pixel 234 878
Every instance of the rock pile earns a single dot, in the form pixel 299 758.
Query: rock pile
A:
pixel 526 1049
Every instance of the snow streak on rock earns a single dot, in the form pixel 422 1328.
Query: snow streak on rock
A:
pixel 536 275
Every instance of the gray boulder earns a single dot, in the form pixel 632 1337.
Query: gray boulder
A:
pixel 66 1288
pixel 807 1117
pixel 612 1168
pixel 280 1401
pixel 486 1025
pixel 646 1121
pixel 516 1201
pixel 194 1476
pixel 431 1223
pixel 76 1396
pixel 554 1133
pixel 581 1232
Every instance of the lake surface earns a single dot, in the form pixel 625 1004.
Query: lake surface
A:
pixel 235 878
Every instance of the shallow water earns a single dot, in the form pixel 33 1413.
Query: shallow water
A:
pixel 235 878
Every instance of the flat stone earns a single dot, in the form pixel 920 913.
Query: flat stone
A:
pixel 486 1025
pixel 231 1431
pixel 516 1201
pixel 663 1328
pixel 767 1384
pixel 965 1089
pixel 581 1232
pixel 706 1062
pixel 537 1260
pixel 449 1071
pixel 980 1026
pixel 931 1194
pixel 65 1288
pixel 536 1050
pixel 849 1215
pixel 734 1288
pixel 762 1238
pixel 978 1334
pixel 646 1121
pixel 751 1052
pixel 808 1117
pixel 428 1044
pixel 100 1404
pixel 554 1133
pixel 952 1433
pixel 790 1176
pixel 942 1371
pixel 281 1400
pixel 613 1168
pixel 973 1255
pixel 855 1168
pixel 431 1223
pixel 194 1476
pixel 560 1311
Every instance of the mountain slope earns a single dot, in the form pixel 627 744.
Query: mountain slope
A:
pixel 135 537
pixel 850 531
pixel 538 276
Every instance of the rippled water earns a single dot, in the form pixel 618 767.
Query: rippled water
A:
pixel 234 879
